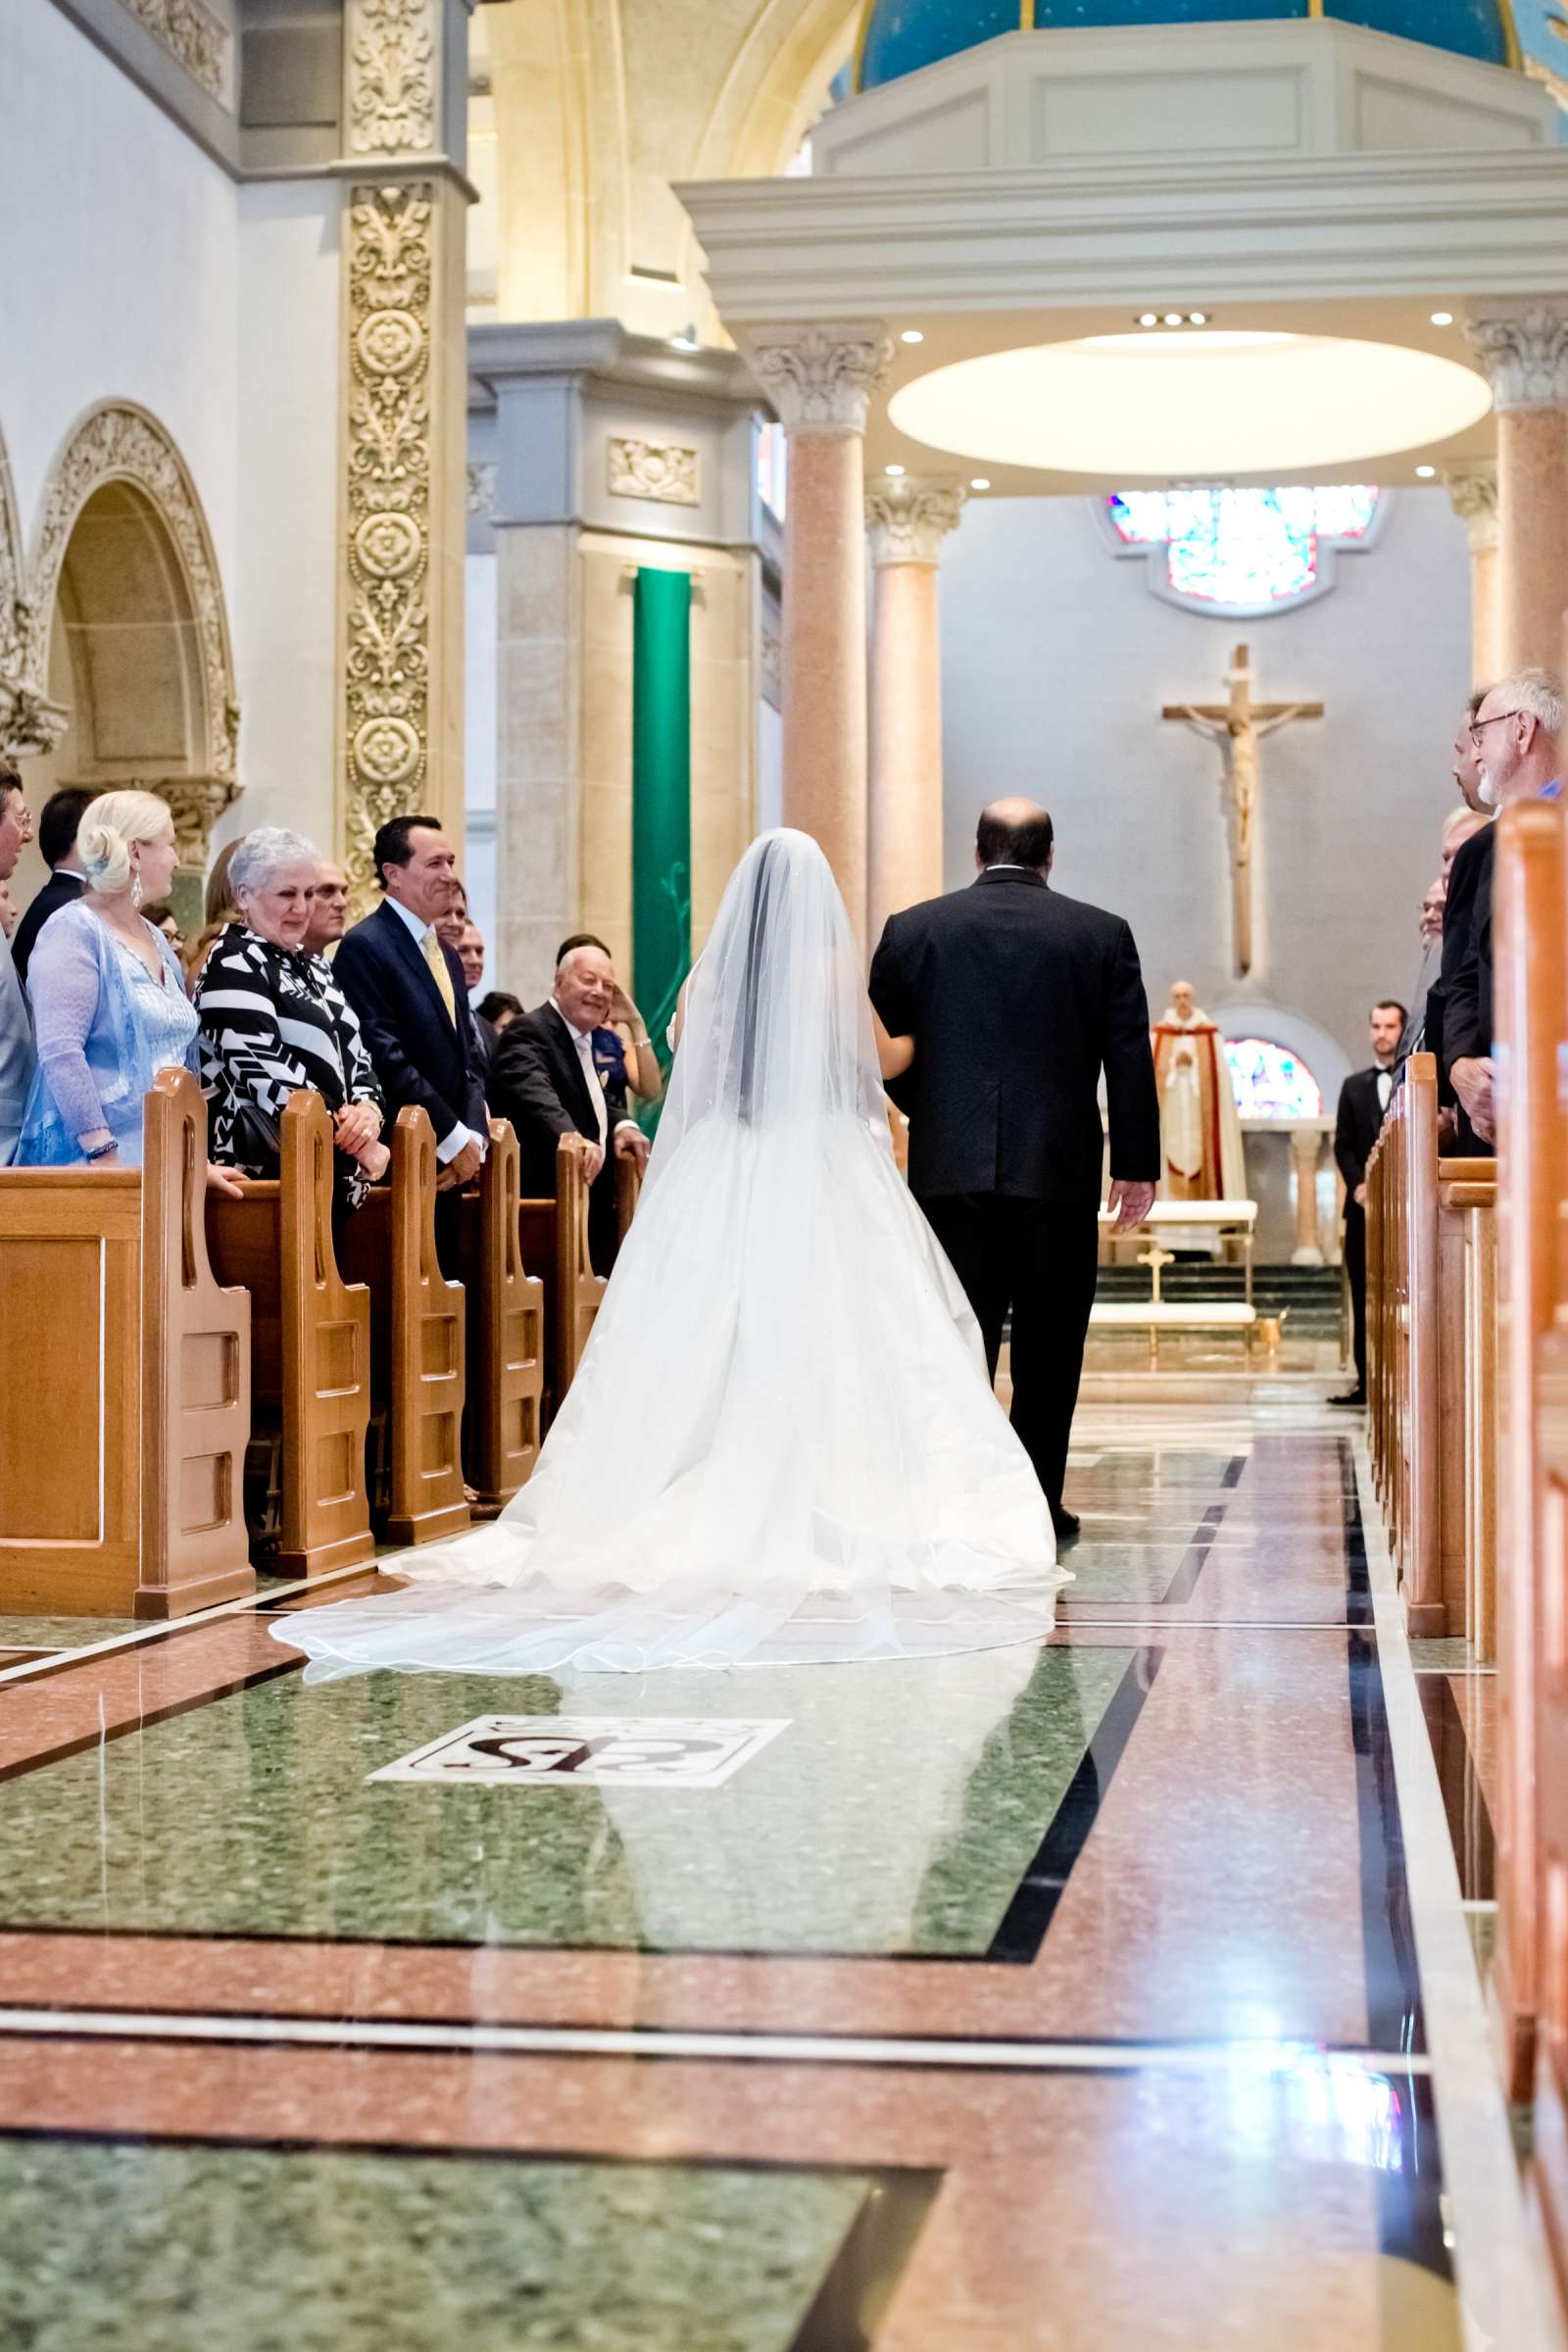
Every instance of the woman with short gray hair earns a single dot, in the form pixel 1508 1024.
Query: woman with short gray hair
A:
pixel 272 1018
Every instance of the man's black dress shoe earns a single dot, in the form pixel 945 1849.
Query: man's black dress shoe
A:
pixel 1356 1397
pixel 1067 1525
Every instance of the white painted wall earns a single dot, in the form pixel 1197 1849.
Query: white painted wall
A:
pixel 1056 662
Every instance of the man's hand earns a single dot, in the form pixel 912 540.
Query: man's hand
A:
pixel 1473 1079
pixel 1360 1195
pixel 593 1159
pixel 1130 1204
pixel 460 1170
pixel 632 1143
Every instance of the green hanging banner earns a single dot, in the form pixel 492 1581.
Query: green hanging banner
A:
pixel 660 799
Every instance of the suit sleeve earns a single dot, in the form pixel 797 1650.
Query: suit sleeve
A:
pixel 364 982
pixel 890 989
pixel 1132 1099
pixel 1467 1008
pixel 522 1089
pixel 1348 1157
pixel 1458 943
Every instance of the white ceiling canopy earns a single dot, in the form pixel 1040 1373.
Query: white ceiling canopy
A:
pixel 1189 406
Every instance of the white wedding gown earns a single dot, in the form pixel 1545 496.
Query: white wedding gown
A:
pixel 781 1444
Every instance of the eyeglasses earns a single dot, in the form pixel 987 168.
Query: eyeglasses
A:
pixel 1479 726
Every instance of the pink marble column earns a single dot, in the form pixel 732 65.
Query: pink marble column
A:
pixel 907 517
pixel 1524 354
pixel 819 382
pixel 1473 495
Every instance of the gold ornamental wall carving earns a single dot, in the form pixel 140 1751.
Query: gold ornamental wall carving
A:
pixel 387 540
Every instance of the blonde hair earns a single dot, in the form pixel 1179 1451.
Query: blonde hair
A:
pixel 109 826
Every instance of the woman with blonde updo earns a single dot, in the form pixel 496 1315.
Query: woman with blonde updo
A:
pixel 109 1003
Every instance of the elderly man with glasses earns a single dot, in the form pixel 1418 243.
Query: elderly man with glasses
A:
pixel 1516 734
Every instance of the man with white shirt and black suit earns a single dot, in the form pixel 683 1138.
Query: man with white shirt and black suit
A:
pixel 1363 1107
pixel 543 1080
pixel 16 1056
pixel 407 988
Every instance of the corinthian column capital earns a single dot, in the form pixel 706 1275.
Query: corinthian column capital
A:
pixel 1473 495
pixel 1524 354
pixel 910 514
pixel 820 378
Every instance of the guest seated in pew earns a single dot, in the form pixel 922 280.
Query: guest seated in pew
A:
pixel 546 1082
pixel 107 996
pixel 273 1019
pixel 623 1052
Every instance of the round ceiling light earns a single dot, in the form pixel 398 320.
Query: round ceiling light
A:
pixel 1190 405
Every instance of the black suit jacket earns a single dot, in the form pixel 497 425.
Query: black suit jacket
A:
pixel 421 1053
pixel 1467 977
pixel 59 891
pixel 1356 1130
pixel 537 1082
pixel 1017 997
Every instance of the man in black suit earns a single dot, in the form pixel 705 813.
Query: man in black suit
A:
pixel 59 822
pixel 407 988
pixel 1016 999
pixel 1517 734
pixel 544 1081
pixel 1363 1106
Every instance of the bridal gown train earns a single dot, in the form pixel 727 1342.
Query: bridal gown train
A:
pixel 781 1444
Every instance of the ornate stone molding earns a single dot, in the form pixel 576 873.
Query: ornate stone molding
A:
pixel 121 443
pixel 192 34
pixel 908 516
pixel 670 471
pixel 392 76
pixel 1524 354
pixel 196 804
pixel 820 378
pixel 1473 495
pixel 481 487
pixel 386 673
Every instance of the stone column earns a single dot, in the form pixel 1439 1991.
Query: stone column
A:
pixel 402 490
pixel 907 516
pixel 1307 1143
pixel 1524 354
pixel 1473 495
pixel 820 381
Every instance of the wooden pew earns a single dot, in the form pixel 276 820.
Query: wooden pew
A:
pixel 1531 1016
pixel 310 1349
pixel 125 1408
pixel 417 1345
pixel 1403 1259
pixel 503 1423
pixel 1463 1333
pixel 554 1243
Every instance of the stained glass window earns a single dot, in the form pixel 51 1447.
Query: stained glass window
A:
pixel 1234 551
pixel 1271 1082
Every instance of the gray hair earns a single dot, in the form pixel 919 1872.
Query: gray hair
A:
pixel 1535 692
pixel 265 852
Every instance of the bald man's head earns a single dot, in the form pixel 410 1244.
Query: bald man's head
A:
pixel 1014 832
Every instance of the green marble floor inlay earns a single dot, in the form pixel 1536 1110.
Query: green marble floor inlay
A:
pixel 896 1812
pixel 213 2249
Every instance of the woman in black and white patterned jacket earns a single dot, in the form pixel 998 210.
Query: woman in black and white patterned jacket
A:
pixel 272 1018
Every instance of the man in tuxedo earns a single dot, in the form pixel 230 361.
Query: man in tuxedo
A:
pixel 16 1024
pixel 407 988
pixel 1363 1106
pixel 1017 999
pixel 58 823
pixel 1518 739
pixel 543 1080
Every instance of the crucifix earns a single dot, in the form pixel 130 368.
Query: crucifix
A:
pixel 1238 726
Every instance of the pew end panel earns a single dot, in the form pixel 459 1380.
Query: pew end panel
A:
pixel 503 1423
pixel 429 1358
pixel 120 1451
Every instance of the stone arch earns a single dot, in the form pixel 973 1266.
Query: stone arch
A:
pixel 125 628
pixel 19 718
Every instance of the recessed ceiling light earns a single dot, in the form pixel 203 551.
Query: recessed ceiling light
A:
pixel 1442 317
pixel 893 469
pixel 1198 318
pixel 912 334
pixel 1174 319
pixel 1148 318
pixel 982 481
pixel 1424 473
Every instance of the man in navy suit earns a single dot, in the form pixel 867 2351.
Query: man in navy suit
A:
pixel 408 990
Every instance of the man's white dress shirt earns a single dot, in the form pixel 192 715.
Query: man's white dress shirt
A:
pixel 447 1146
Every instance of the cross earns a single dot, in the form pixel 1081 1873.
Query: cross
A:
pixel 1239 725
pixel 1156 1259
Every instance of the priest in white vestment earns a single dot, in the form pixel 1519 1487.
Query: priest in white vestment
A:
pixel 1201 1131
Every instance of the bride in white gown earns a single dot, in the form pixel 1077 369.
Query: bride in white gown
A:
pixel 781 1444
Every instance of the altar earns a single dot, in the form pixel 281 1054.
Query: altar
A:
pixel 1294 1185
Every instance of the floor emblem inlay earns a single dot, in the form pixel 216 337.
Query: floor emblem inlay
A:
pixel 621 1752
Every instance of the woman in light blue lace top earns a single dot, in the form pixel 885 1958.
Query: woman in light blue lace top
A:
pixel 109 1004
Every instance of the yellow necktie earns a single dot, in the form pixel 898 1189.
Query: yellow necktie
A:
pixel 440 975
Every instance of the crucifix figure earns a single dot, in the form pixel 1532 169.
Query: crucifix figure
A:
pixel 1238 726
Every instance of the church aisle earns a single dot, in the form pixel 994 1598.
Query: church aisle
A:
pixel 1115 1993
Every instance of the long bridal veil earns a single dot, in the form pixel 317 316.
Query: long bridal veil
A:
pixel 781 1444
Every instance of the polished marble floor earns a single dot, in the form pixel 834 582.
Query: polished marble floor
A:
pixel 1116 1992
